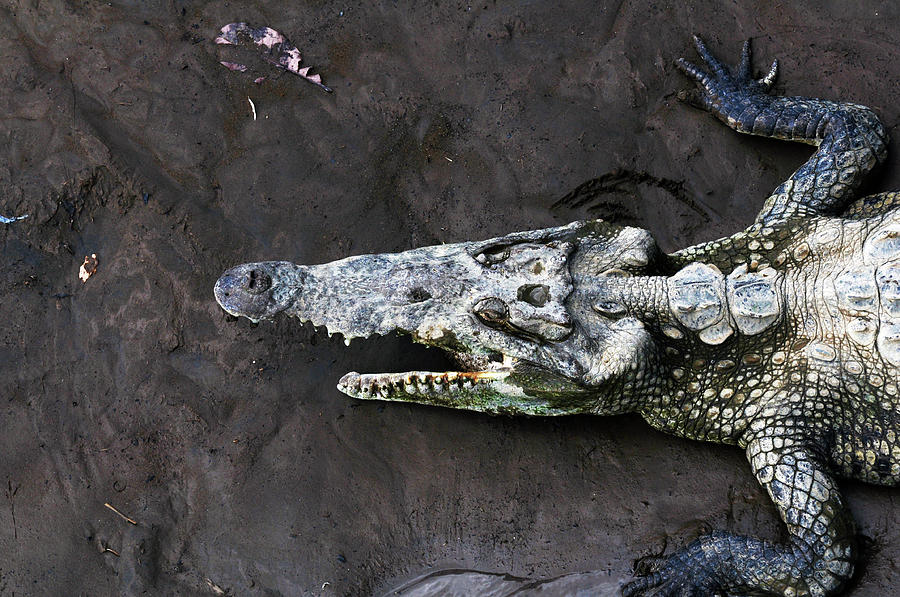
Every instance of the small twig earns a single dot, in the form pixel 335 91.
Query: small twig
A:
pixel 112 551
pixel 215 588
pixel 131 520
pixel 10 494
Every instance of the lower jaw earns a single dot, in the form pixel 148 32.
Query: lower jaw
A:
pixel 408 385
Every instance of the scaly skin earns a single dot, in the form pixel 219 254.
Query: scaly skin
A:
pixel 783 339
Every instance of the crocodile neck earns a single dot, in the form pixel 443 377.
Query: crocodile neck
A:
pixel 687 386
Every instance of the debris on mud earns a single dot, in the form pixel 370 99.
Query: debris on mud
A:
pixel 276 50
pixel 88 268
pixel 216 589
pixel 127 519
pixel 241 68
pixel 5 220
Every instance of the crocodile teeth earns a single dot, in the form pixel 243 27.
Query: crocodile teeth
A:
pixel 386 385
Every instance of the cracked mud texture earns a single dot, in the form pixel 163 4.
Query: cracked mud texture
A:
pixel 247 471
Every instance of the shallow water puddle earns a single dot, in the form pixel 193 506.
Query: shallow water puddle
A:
pixel 465 583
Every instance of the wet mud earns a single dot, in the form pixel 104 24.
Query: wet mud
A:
pixel 247 473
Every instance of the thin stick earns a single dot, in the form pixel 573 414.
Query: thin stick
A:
pixel 131 520
pixel 215 588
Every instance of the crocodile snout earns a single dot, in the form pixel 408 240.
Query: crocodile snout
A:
pixel 257 290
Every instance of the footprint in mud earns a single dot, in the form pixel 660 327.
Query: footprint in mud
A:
pixel 463 583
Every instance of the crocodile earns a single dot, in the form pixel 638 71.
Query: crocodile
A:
pixel 783 339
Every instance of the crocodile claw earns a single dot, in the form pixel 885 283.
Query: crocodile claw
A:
pixel 718 80
pixel 673 576
pixel 767 81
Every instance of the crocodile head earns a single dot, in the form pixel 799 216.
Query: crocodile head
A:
pixel 515 313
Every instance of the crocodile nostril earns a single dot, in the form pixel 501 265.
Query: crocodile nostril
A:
pixel 534 294
pixel 418 295
pixel 257 282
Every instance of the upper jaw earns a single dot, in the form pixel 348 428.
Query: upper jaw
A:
pixel 324 296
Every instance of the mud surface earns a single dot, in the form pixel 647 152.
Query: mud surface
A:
pixel 245 469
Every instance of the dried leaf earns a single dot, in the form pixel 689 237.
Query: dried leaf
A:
pixel 88 268
pixel 241 68
pixel 277 50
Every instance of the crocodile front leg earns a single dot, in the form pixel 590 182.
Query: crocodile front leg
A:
pixel 851 139
pixel 818 559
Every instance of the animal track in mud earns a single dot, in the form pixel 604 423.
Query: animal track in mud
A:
pixel 623 181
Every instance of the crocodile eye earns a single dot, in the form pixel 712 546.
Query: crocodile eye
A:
pixel 257 282
pixel 493 255
pixel 534 294
pixel 609 308
pixel 491 311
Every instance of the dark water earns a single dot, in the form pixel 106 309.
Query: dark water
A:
pixel 465 583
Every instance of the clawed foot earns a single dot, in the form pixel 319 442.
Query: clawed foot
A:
pixel 722 86
pixel 686 573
